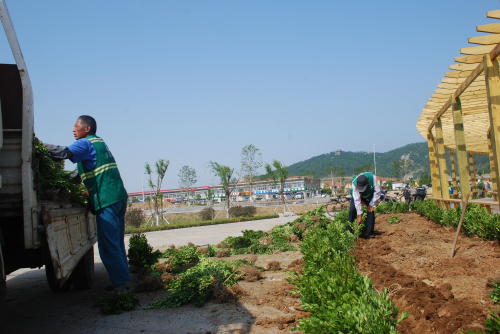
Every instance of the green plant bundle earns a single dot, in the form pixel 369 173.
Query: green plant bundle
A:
pixel 495 295
pixel 120 302
pixel 178 258
pixel 196 284
pixel 53 183
pixel 340 299
pixel 140 253
pixel 477 221
pixel 392 207
pixel 197 223
pixel 393 220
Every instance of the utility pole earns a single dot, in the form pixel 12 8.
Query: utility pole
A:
pixel 374 160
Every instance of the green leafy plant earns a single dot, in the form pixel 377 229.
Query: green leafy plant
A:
pixel 118 302
pixel 140 253
pixel 495 295
pixel 52 182
pixel 393 220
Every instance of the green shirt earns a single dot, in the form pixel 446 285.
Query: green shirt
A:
pixel 369 191
pixel 103 182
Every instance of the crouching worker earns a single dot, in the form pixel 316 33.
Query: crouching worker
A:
pixel 365 190
pixel 99 172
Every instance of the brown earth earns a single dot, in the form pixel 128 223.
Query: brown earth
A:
pixel 412 261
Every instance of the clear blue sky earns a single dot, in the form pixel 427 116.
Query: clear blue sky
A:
pixel 194 81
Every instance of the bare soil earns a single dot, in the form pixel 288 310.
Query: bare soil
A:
pixel 412 261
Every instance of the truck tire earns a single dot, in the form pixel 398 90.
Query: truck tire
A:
pixel 83 274
pixel 55 284
pixel 3 279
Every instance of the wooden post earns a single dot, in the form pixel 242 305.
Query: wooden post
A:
pixel 461 147
pixel 453 172
pixel 442 162
pixel 492 78
pixel 472 171
pixel 436 184
pixel 493 167
pixel 459 226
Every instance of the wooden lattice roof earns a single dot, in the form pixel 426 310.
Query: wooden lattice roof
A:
pixel 467 78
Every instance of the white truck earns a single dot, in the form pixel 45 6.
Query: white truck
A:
pixel 32 233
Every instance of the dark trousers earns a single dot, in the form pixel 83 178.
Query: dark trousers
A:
pixel 370 218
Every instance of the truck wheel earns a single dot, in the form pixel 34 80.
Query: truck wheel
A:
pixel 55 284
pixel 3 279
pixel 83 274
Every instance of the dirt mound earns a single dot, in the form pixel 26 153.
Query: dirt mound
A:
pixel 222 245
pixel 273 266
pixel 301 226
pixel 251 274
pixel 293 238
pixel 162 268
pixel 203 250
pixel 296 265
pixel 266 241
pixel 252 259
pixel 222 253
pixel 166 277
pixel 149 283
pixel 411 260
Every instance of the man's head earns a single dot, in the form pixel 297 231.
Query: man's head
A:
pixel 361 183
pixel 85 126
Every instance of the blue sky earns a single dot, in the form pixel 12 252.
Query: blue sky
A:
pixel 194 81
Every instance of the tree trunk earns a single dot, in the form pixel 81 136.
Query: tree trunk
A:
pixel 227 203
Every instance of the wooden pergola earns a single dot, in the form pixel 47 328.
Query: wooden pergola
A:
pixel 463 115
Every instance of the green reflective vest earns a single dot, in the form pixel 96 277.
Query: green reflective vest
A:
pixel 370 190
pixel 103 182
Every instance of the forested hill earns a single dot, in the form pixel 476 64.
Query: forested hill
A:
pixel 349 161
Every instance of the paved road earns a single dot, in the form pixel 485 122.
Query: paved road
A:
pixel 212 234
pixel 198 208
pixel 32 308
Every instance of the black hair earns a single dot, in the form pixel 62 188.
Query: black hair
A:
pixel 89 121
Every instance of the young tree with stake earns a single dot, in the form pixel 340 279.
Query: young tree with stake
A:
pixel 335 171
pixel 187 178
pixel 278 174
pixel 227 180
pixel 251 161
pixel 161 168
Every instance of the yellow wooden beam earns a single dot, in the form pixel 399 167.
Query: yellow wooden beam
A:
pixel 443 174
pixel 477 50
pixel 472 171
pixel 493 14
pixel 470 59
pixel 436 183
pixel 485 40
pixel 493 90
pixel 493 166
pixel 493 28
pixel 453 171
pixel 461 147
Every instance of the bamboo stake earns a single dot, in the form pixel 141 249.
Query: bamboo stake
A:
pixel 459 226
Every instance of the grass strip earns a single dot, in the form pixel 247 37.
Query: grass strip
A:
pixel 197 223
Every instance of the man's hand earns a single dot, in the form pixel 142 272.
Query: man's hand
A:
pixel 359 220
pixel 370 209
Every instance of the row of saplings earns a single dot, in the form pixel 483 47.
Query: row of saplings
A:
pixel 329 285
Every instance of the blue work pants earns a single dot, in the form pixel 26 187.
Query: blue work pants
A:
pixel 370 218
pixel 110 240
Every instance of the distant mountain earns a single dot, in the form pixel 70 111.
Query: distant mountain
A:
pixel 349 161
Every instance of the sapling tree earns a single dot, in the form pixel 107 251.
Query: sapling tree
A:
pixel 228 181
pixel 187 178
pixel 278 174
pixel 251 161
pixel 161 168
